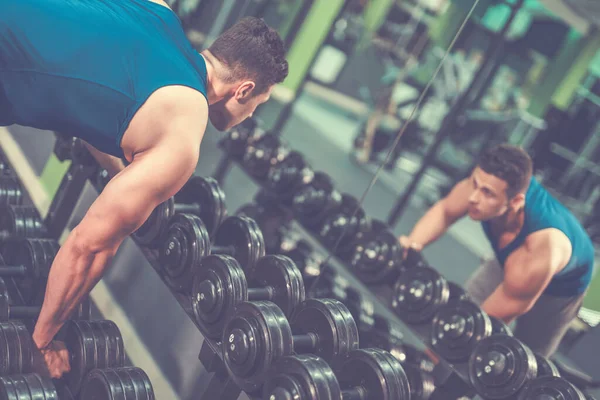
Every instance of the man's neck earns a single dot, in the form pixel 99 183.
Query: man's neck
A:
pixel 510 222
pixel 216 89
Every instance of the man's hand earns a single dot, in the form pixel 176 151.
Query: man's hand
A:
pixel 407 243
pixel 53 360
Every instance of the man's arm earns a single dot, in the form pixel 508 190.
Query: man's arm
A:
pixel 121 208
pixel 440 217
pixel 527 272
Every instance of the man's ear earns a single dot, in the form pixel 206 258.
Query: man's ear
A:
pixel 244 91
pixel 518 201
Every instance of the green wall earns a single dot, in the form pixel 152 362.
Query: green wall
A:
pixel 579 68
pixel 308 42
pixel 53 173
pixel 556 69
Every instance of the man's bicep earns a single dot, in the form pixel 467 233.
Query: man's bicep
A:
pixel 527 273
pixel 132 195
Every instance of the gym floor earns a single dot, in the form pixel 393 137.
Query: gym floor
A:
pixel 157 332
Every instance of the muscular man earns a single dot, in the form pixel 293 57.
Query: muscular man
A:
pixel 544 258
pixel 121 75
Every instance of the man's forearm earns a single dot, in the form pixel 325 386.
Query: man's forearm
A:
pixel 73 274
pixel 430 227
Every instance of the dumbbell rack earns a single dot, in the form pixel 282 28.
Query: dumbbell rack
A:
pixel 220 386
pixel 457 381
pixel 15 293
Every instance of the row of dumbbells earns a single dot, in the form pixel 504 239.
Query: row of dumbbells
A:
pixel 255 304
pixel 97 356
pixel 421 295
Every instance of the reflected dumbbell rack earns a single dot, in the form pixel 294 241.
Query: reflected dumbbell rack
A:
pixel 380 294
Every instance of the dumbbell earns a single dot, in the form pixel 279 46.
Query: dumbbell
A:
pixel 5 169
pixel 29 260
pixel 200 196
pixel 29 387
pixel 10 191
pixel 20 222
pixel 344 226
pixel 101 179
pixel 72 148
pixel 258 334
pixel 364 374
pixel 220 284
pixel 262 154
pixel 187 241
pixel 91 345
pixel 315 200
pixel 237 140
pixel 421 383
pixel 550 388
pixel 418 294
pixel 127 383
pixel 361 310
pixel 457 328
pixel 271 220
pixel 286 178
pixel 499 327
pixel 306 259
pixel 10 312
pixel 377 258
pixel 545 366
pixel 500 366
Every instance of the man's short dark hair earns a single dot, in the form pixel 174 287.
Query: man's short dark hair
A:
pixel 509 163
pixel 252 50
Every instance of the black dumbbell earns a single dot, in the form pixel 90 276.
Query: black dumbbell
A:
pixel 259 333
pixel 72 148
pixel 10 191
pixel 271 220
pixel 361 309
pixel 91 345
pixel 101 179
pixel 421 383
pixel 10 312
pixel 306 259
pixel 378 258
pixel 315 201
pixel 200 196
pixel 27 387
pixel 364 374
pixel 545 366
pixel 499 327
pixel 457 328
pixel 419 293
pixel 29 260
pixel 5 169
pixel 286 178
pixel 550 388
pixel 457 292
pixel 344 227
pixel 20 222
pixel 500 366
pixel 187 241
pixel 127 383
pixel 240 136
pixel 220 284
pixel 262 154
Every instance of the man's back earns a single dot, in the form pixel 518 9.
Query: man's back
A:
pixel 85 67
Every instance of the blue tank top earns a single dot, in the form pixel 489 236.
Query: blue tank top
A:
pixel 84 67
pixel 543 211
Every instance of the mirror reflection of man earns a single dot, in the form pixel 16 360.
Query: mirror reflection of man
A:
pixel 543 256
